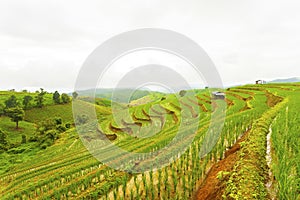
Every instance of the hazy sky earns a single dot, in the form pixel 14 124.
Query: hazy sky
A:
pixel 44 43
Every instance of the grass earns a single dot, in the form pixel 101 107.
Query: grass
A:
pixel 64 111
pixel 15 135
pixel 20 152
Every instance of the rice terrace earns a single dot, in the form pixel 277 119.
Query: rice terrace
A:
pixel 256 155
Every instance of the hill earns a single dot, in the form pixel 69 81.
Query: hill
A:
pixel 63 111
pixel 4 95
pixel 237 155
pixel 117 95
pixel 286 80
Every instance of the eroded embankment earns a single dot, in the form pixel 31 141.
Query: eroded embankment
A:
pixel 250 172
pixel 270 183
pixel 243 173
pixel 214 184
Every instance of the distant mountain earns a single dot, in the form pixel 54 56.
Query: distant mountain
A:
pixel 287 80
pixel 117 95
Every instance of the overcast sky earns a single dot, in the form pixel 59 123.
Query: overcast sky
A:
pixel 44 43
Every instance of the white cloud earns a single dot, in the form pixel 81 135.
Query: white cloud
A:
pixel 43 41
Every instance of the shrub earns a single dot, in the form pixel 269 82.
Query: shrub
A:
pixel 65 98
pixel 58 121
pixel 68 125
pixel 16 150
pixel 2 107
pixel 3 141
pixel 61 128
pixel 82 119
pixel 48 131
pixel 182 93
pixel 24 139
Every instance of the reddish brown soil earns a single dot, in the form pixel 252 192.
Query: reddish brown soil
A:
pixel 241 90
pixel 212 188
pixel 229 102
pixel 246 107
pixel 191 109
pixel 272 99
pixel 204 100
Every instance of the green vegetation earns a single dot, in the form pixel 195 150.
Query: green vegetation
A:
pixel 14 135
pixel 46 159
pixel 74 95
pixel 11 102
pixel 3 141
pixel 27 101
pixel 56 97
pixel 48 132
pixel 285 142
pixel 36 115
pixel 20 96
pixel 40 99
pixel 248 178
pixel 65 98
pixel 16 114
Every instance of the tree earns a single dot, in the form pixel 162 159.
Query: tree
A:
pixel 39 99
pixel 16 114
pixel 56 97
pixel 26 101
pixel 182 93
pixel 65 98
pixel 75 95
pixel 11 102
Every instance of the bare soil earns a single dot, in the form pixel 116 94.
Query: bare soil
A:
pixel 212 188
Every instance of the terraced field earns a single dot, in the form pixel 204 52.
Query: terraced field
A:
pixel 256 168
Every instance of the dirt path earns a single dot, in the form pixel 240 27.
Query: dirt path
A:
pixel 212 188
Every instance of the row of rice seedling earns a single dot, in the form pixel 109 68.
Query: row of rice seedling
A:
pixel 21 178
pixel 248 178
pixel 186 171
pixel 53 179
pixel 175 181
pixel 285 140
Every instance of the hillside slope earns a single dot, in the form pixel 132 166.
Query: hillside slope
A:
pixel 66 170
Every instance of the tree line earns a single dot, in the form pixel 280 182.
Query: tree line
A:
pixel 14 109
pixel 47 131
